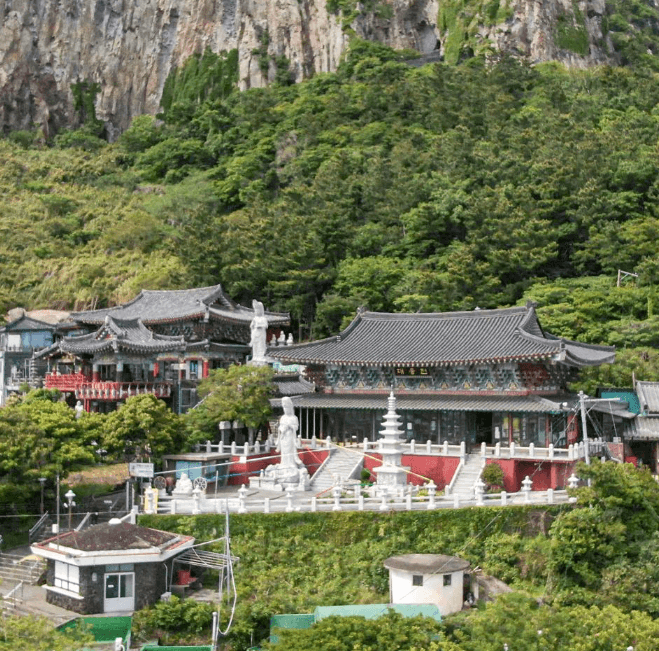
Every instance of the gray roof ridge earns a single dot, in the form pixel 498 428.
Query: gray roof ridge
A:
pixel 176 291
pixel 106 309
pixel 218 292
pixel 474 314
pixel 25 317
pixel 315 342
pixel 580 344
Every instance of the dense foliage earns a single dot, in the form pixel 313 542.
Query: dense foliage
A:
pixel 585 575
pixel 239 393
pixel 398 188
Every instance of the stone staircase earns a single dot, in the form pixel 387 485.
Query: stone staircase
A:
pixel 467 476
pixel 15 568
pixel 341 464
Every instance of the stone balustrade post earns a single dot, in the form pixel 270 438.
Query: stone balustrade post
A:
pixel 527 484
pixel 336 494
pixel 383 505
pixel 267 447
pixel 550 496
pixel 512 449
pixel 432 491
pixel 504 498
pixel 551 451
pixel 408 501
pixel 233 448
pixel 479 490
pixel 357 490
pixel 220 447
pixel 428 446
pixel 314 442
pixel 483 449
pixel 456 501
pixel 246 449
pixel 257 448
pixel 463 450
pixel 314 504
pixel 531 449
pixel 360 502
pixel 445 448
pixel 328 442
pixel 289 500
pixel 412 446
pixel 266 505
pixel 497 450
pixel 242 494
pixel 365 444
pixel 196 494
pixel 208 447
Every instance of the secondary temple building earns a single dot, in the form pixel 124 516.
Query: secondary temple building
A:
pixel 161 342
pixel 492 376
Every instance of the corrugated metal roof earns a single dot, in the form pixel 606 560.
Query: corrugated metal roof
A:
pixel 648 394
pixel 431 402
pixel 642 428
pixel 483 336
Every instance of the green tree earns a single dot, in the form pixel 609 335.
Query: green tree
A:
pixel 236 393
pixel 38 634
pixel 390 632
pixel 144 427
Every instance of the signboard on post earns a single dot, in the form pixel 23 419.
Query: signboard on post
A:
pixel 140 470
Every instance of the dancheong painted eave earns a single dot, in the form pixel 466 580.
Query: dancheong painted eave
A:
pixel 444 338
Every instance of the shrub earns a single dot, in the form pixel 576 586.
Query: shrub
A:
pixel 493 475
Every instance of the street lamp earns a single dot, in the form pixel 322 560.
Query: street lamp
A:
pixel 42 481
pixel 69 496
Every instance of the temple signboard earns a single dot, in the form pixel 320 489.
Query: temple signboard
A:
pixel 412 371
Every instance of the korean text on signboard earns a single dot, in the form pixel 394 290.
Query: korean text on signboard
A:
pixel 412 371
pixel 140 469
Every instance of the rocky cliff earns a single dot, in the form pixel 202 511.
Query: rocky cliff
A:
pixel 129 47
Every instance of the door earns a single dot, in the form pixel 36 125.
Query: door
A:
pixel 119 592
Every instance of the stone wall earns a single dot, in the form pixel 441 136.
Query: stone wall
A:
pixel 150 583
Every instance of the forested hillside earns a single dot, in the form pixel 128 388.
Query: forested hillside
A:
pixel 386 185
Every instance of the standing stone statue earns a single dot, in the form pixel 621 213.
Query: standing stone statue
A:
pixel 287 436
pixel 290 472
pixel 259 330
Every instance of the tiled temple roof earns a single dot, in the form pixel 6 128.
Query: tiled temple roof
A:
pixel 117 334
pixel 162 306
pixel 433 339
pixel 431 402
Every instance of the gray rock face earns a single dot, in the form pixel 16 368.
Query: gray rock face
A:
pixel 130 46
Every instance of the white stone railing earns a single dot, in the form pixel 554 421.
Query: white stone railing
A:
pixel 233 448
pixel 349 499
pixel 513 451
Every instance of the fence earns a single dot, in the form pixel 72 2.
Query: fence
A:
pixel 348 499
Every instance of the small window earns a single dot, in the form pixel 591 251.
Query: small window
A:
pixel 447 579
pixel 67 577
pixel 417 579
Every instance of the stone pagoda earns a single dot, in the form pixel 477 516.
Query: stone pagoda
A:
pixel 391 475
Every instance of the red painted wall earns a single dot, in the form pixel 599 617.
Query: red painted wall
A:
pixel 240 472
pixel 544 474
pixel 439 469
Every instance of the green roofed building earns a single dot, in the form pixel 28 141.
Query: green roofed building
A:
pixel 368 611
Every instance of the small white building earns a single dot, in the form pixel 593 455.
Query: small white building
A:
pixel 429 579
